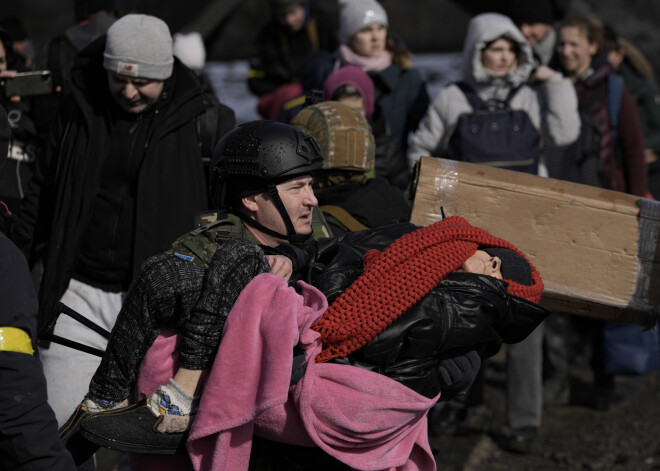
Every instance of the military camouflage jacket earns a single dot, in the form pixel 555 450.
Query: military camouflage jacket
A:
pixel 214 227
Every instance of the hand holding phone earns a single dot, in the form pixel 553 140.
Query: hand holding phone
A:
pixel 39 82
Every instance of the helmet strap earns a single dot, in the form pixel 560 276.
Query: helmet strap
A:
pixel 291 235
pixel 290 230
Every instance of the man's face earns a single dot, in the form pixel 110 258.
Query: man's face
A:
pixel 293 19
pixel 134 95
pixel 535 32
pixel 299 200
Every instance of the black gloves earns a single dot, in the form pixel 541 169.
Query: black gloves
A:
pixel 457 373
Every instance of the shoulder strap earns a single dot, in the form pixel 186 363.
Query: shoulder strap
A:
pixel 313 33
pixel 615 85
pixel 512 93
pixel 207 127
pixel 472 97
pixel 475 101
pixel 590 100
pixel 199 245
pixel 320 227
pixel 344 217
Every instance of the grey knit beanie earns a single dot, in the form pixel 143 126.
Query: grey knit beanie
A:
pixel 355 15
pixel 139 46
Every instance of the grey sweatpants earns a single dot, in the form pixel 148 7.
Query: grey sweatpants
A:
pixel 524 382
pixel 67 370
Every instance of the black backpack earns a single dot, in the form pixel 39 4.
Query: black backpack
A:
pixel 494 134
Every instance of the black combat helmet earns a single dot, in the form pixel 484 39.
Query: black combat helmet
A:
pixel 254 158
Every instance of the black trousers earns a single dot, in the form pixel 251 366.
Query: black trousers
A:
pixel 28 429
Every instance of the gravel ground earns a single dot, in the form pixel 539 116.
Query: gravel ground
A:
pixel 573 436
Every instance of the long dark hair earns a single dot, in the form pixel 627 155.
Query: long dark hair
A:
pixel 401 55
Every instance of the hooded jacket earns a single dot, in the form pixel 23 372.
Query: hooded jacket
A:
pixel 559 111
pixel 170 186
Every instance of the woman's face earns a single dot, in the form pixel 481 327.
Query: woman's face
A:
pixel 370 41
pixel 575 50
pixel 482 263
pixel 499 58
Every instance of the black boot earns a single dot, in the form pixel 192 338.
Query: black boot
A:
pixel 133 431
pixel 80 448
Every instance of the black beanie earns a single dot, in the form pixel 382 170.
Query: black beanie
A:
pixel 14 27
pixel 514 266
pixel 84 9
pixel 530 12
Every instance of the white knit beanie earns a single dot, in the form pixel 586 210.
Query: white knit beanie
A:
pixel 190 50
pixel 355 15
pixel 139 46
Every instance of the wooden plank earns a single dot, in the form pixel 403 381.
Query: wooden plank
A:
pixel 596 252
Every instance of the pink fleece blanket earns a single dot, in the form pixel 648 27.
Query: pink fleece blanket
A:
pixel 364 419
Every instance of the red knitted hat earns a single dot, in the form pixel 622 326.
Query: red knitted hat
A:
pixel 396 279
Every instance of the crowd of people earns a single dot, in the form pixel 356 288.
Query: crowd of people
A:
pixel 242 276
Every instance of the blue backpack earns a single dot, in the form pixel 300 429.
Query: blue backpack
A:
pixel 494 134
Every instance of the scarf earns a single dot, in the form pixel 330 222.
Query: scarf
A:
pixel 369 64
pixel 397 278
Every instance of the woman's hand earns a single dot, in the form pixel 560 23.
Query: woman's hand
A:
pixel 542 73
pixel 6 73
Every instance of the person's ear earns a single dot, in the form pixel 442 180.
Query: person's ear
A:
pixel 593 48
pixel 250 202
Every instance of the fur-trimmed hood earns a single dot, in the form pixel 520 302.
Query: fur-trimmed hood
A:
pixel 484 29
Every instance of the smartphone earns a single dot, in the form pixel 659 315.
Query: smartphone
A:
pixel 39 82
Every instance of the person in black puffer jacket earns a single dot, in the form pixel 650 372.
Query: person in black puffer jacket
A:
pixel 465 312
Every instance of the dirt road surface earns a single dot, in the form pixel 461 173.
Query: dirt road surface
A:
pixel 573 436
